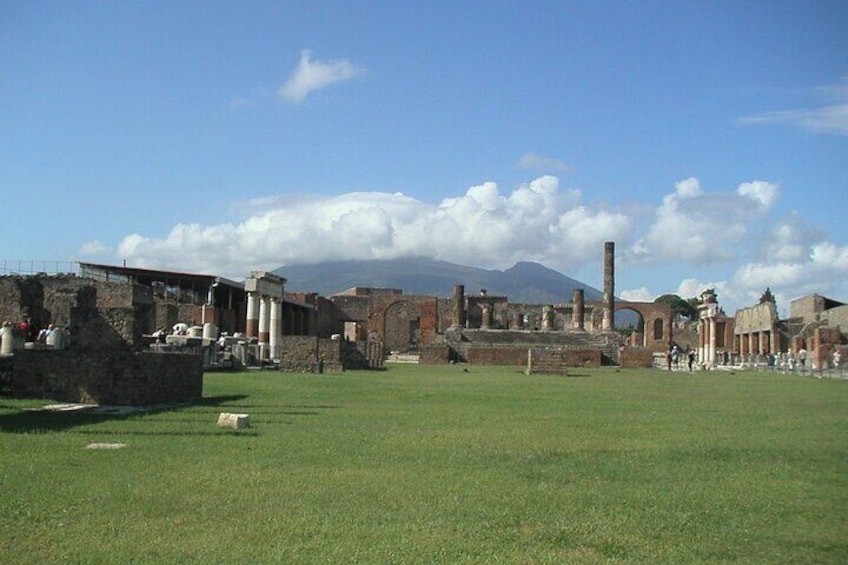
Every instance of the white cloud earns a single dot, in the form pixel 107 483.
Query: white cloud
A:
pixel 637 295
pixel 538 162
pixel 701 227
pixel 829 119
pixel 312 75
pixel 93 248
pixel 536 221
pixel 759 191
pixel 701 233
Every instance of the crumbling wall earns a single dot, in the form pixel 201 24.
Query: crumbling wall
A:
pixel 298 354
pixel 107 377
pixel 434 355
pixel 636 357
pixel 553 360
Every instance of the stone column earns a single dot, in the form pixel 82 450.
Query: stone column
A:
pixel 264 316
pixel 712 360
pixel 547 318
pixel 486 318
pixel 252 329
pixel 459 306
pixel 608 322
pixel 518 321
pixel 276 329
pixel 577 317
pixel 701 335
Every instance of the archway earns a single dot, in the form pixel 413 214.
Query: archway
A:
pixel 657 323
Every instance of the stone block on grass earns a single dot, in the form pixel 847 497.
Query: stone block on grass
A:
pixel 234 421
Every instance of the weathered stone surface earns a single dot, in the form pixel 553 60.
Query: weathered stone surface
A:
pixel 234 421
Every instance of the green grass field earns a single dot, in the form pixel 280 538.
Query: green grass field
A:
pixel 440 465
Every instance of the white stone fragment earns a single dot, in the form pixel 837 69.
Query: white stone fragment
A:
pixel 105 445
pixel 234 421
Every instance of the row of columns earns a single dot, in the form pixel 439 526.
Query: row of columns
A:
pixel 578 316
pixel 707 340
pixel 264 307
pixel 757 343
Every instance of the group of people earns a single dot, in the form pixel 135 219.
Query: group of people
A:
pixel 675 354
pixel 26 331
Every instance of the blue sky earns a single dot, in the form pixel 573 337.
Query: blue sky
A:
pixel 709 140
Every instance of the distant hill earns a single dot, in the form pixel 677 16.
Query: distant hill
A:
pixel 524 282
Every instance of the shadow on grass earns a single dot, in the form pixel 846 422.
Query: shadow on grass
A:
pixel 44 420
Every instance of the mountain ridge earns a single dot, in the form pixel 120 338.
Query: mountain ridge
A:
pixel 525 282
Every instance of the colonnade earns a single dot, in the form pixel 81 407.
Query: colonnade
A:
pixel 264 307
pixel 756 343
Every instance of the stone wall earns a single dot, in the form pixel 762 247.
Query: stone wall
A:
pixel 759 318
pixel 434 355
pixel 107 377
pixel 633 357
pixel 298 354
pixel 483 355
pixel 557 361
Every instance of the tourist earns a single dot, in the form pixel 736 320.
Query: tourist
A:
pixel 691 356
pixel 836 358
pixel 27 330
pixel 802 358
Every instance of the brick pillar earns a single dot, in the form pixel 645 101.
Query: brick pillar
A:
pixel 578 321
pixel 459 306
pixel 608 322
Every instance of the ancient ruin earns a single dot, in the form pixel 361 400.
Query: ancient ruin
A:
pixel 120 335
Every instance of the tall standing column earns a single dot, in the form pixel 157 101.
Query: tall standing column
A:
pixel 459 306
pixel 608 321
pixel 712 359
pixel 264 317
pixel 276 329
pixel 702 336
pixel 252 329
pixel 577 316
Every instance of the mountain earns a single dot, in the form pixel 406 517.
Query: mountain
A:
pixel 524 282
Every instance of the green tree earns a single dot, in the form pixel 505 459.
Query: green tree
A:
pixel 679 306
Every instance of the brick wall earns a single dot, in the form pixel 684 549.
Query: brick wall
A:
pixel 557 361
pixel 496 356
pixel 631 357
pixel 434 355
pixel 107 377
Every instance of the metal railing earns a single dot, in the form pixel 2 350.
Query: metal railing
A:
pixel 34 267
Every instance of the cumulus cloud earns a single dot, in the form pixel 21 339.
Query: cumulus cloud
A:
pixel 701 227
pixel 693 231
pixel 828 119
pixel 536 221
pixel 763 193
pixel 539 163
pixel 310 75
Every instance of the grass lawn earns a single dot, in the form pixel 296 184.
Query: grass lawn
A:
pixel 449 464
